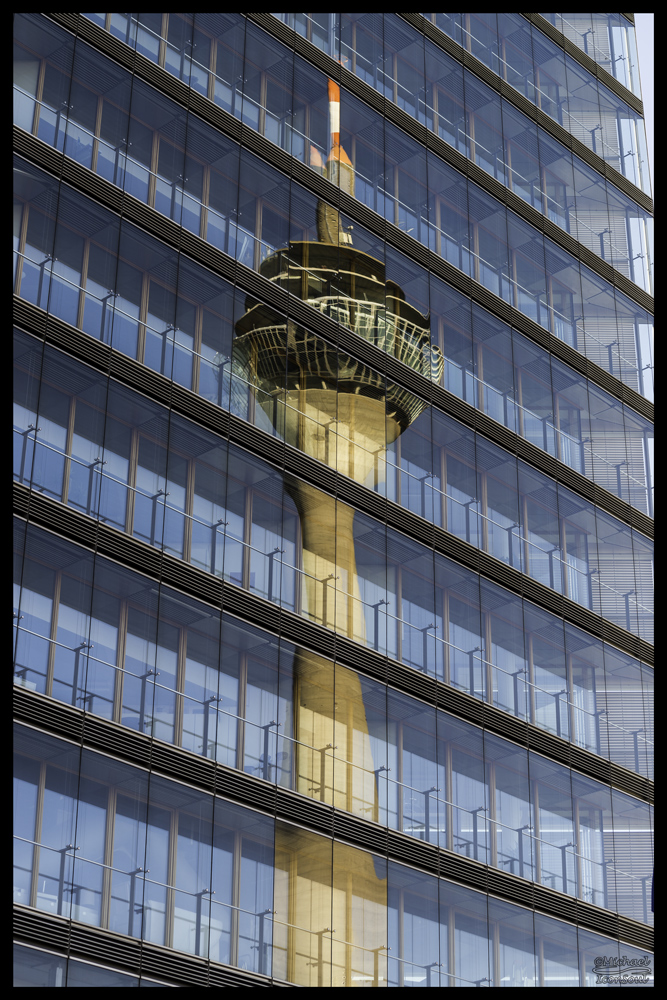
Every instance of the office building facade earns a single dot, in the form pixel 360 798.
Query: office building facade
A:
pixel 333 508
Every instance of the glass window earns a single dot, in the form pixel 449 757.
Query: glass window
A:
pixel 463 916
pixel 633 856
pixel 33 968
pixel 545 651
pixel 375 580
pixel 362 50
pixel 642 549
pixel 512 939
pixel 181 874
pixel 554 836
pixel 225 34
pixel 43 56
pixel 512 812
pixel 359 907
pixel 267 86
pixel 414 956
pixel 540 517
pixel 263 212
pixel 557 953
pixel 310 137
pixel 506 668
pixel 302 939
pixel 497 488
pixel 526 254
pixel 495 382
pixel 445 108
pixel 484 136
pixel 274 733
pixel 480 36
pixel 592 804
pixel 522 152
pixel 587 710
pixel 465 802
pixel 449 216
pixel 416 782
pixel 515 55
pixel 649 720
pixel 580 549
pixel 457 594
pixel 451 330
pixel 535 417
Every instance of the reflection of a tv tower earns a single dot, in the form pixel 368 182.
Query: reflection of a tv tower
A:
pixel 339 411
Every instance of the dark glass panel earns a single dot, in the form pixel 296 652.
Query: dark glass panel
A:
pixel 554 837
pixel 37 969
pixel 512 814
pixel 414 955
pixel 557 953
pixel 511 937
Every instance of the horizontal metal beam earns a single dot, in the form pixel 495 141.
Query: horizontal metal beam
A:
pixel 72 939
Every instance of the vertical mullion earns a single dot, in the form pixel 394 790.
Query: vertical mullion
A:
pixel 84 281
pixel 23 235
pixel 68 449
pixel 39 94
pixel 537 843
pixel 449 796
pixel 170 901
pixel 143 316
pixel 236 900
pixel 188 510
pixel 247 540
pixel 53 632
pixel 34 883
pixel 493 846
pixel 179 689
pixel 120 661
pixel 98 132
pixel 487 654
pixel 162 48
pixel 241 710
pixel 105 906
pixel 199 325
pixel 132 479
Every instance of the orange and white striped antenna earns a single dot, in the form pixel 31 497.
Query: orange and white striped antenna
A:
pixel 334 113
pixel 339 166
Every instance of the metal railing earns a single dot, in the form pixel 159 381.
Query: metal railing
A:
pixel 386 331
pixel 192 928
pixel 559 574
pixel 578 875
pixel 536 702
pixel 527 302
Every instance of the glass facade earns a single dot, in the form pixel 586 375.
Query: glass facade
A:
pixel 172 422
pixel 199 182
pixel 472 117
pixel 608 39
pixel 93 276
pixel 95 636
pixel 145 846
pixel 557 84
